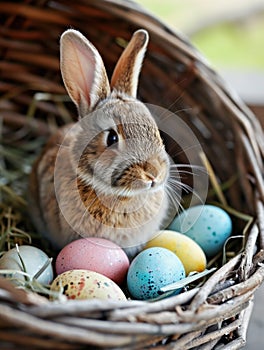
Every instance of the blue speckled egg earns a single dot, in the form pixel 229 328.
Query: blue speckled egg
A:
pixel 152 269
pixel 207 225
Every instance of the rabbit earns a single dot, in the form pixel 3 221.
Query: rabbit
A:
pixel 105 175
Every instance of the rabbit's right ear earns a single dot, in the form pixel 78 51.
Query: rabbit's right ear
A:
pixel 83 71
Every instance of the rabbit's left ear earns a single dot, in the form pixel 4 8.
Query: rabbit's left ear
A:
pixel 83 71
pixel 127 70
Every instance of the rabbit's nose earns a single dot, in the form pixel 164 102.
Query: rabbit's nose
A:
pixel 153 183
pixel 151 180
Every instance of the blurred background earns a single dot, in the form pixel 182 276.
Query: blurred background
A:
pixel 230 35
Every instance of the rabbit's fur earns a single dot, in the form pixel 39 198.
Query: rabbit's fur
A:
pixel 104 176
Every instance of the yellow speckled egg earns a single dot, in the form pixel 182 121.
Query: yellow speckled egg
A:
pixel 187 250
pixel 85 284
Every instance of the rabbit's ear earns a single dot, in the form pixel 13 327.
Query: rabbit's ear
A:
pixel 83 71
pixel 127 70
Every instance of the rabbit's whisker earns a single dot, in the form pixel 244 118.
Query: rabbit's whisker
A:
pixel 191 166
pixel 194 169
pixel 180 185
pixel 61 145
pixel 174 198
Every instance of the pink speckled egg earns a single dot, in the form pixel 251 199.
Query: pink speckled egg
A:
pixel 95 254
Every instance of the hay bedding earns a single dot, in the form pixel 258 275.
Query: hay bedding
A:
pixel 212 314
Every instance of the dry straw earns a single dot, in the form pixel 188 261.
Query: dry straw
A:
pixel 213 314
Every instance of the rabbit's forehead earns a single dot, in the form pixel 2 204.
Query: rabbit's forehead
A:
pixel 138 128
pixel 127 117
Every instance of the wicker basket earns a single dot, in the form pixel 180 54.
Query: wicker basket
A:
pixel 176 77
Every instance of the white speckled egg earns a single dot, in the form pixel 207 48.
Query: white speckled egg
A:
pixel 85 284
pixel 33 258
pixel 152 269
pixel 207 225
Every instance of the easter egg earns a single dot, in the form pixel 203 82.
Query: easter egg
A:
pixel 207 225
pixel 187 250
pixel 85 284
pixel 152 269
pixel 33 259
pixel 95 254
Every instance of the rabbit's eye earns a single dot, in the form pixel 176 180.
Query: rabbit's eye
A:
pixel 112 138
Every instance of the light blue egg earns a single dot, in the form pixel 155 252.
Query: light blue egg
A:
pixel 207 225
pixel 152 269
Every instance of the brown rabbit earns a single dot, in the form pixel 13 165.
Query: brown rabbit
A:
pixel 104 176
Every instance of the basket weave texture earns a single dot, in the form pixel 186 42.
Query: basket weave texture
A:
pixel 176 77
